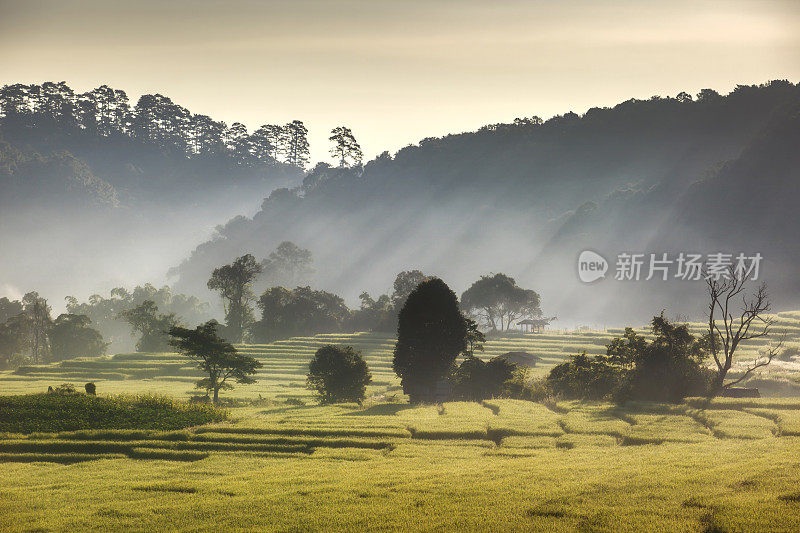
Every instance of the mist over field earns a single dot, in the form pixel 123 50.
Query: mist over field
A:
pixel 123 205
pixel 713 173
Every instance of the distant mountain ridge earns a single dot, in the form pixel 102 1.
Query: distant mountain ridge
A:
pixel 526 198
pixel 664 174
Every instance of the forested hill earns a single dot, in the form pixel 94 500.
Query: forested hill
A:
pixel 118 191
pixel 102 150
pixel 525 198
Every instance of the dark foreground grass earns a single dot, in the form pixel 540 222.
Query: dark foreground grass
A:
pixel 50 413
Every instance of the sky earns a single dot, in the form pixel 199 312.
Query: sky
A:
pixel 398 71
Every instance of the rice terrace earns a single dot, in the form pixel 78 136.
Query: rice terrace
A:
pixel 280 461
pixel 379 265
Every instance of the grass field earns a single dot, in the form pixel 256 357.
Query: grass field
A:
pixel 727 465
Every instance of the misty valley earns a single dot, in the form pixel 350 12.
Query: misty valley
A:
pixel 211 320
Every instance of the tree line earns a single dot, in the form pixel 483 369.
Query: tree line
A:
pixel 495 300
pixel 155 119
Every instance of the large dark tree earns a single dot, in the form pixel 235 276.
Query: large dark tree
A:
pixel 214 356
pixel 338 374
pixel 431 333
pixel 233 283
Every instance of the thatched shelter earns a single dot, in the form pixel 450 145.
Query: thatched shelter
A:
pixel 534 325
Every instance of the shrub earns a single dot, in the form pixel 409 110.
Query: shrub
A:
pixel 64 388
pixel 668 368
pixel 477 380
pixel 338 374
pixel 522 387
pixel 585 377
pixel 56 412
pixel 91 388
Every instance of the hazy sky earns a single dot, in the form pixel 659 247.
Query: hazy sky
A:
pixel 396 72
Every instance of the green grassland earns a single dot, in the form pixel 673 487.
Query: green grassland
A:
pixel 281 462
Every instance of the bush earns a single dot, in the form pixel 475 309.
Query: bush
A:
pixel 522 387
pixel 64 388
pixel 585 377
pixel 91 388
pixel 50 413
pixel 668 368
pixel 476 380
pixel 338 374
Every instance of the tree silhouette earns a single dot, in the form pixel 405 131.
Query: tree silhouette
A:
pixel 38 312
pixel 345 147
pixel 214 356
pixel 233 283
pixel 431 333
pixel 297 148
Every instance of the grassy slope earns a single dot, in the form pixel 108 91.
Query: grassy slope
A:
pixel 503 464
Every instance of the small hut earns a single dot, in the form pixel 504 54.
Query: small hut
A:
pixel 534 325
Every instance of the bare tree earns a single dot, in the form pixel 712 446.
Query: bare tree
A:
pixel 728 295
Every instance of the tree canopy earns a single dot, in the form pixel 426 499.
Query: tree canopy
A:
pixel 301 311
pixel 152 326
pixel 233 282
pixel 70 336
pixel 498 301
pixel 214 356
pixel 338 374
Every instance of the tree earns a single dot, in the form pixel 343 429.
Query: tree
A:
pixel 288 266
pixel 338 374
pixel 345 147
pixel 727 294
pixel 668 368
pixel 431 333
pixel 297 147
pixel 298 312
pixel 104 311
pixel 373 315
pixel 37 310
pixel 405 282
pixel 272 140
pixel 71 336
pixel 9 308
pixel 476 380
pixel 498 301
pixel 475 337
pixel 14 340
pixel 214 356
pixel 153 327
pixel 233 283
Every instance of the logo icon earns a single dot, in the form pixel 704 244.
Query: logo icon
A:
pixel 591 266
